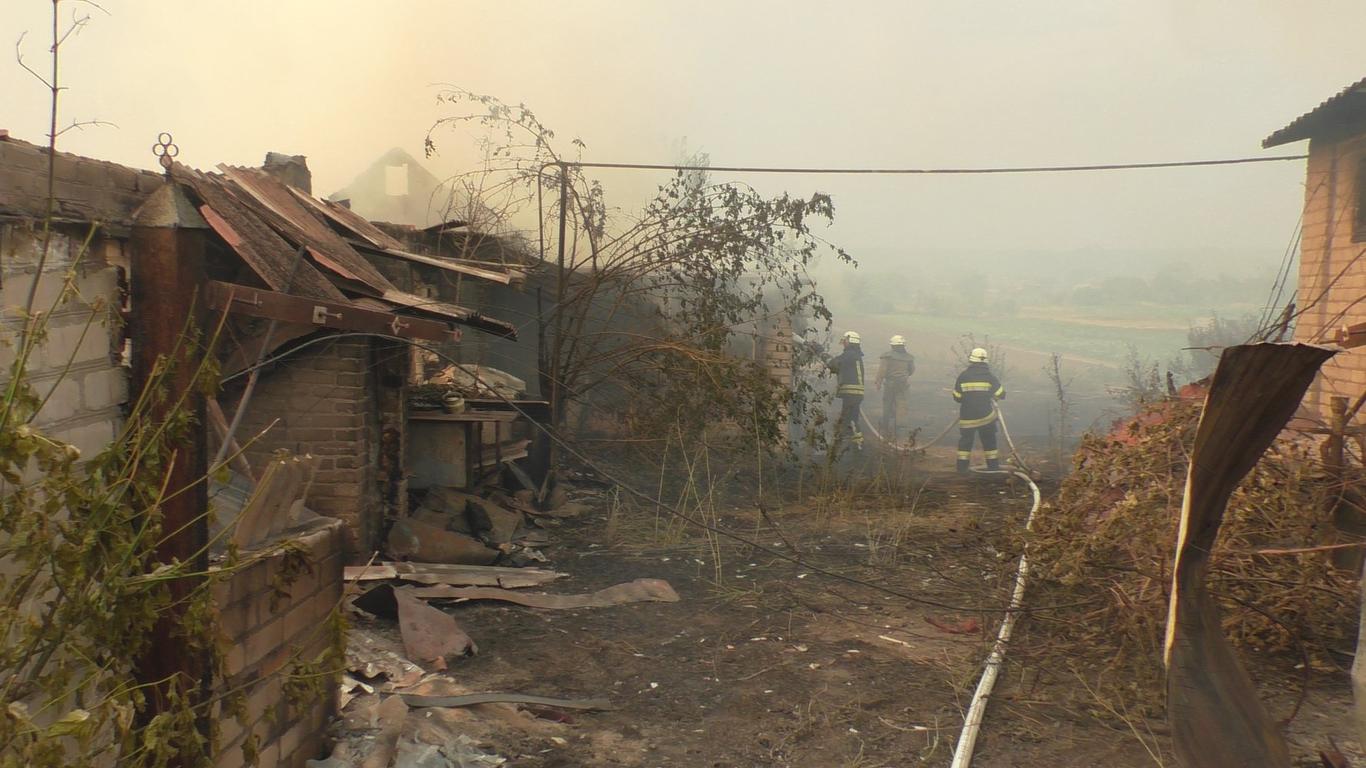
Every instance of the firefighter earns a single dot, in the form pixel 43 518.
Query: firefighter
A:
pixel 977 391
pixel 848 369
pixel 894 371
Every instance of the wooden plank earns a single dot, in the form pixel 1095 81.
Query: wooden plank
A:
pixel 464 416
pixel 319 313
pixel 472 699
pixel 443 574
pixel 1212 706
pixel 638 591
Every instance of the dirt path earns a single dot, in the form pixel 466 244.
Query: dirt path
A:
pixel 772 665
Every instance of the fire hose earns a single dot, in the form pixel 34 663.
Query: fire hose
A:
pixel 972 721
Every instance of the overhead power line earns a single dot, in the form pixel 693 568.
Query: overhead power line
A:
pixel 930 171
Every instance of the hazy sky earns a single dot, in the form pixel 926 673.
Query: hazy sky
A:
pixel 891 83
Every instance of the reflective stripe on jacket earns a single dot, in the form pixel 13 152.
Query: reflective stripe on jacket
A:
pixel 848 369
pixel 976 391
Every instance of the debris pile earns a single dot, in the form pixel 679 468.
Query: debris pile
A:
pixel 495 526
pixel 402 702
pixel 470 381
pixel 1103 551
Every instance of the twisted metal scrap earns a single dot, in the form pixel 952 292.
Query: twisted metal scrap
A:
pixel 1215 716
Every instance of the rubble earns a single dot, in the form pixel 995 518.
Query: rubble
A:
pixel 411 538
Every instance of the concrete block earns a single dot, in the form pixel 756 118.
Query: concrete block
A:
pixel 69 339
pixel 89 439
pixel 262 641
pixel 14 292
pixel 63 398
pixel 97 282
pixel 104 388
pixel 301 741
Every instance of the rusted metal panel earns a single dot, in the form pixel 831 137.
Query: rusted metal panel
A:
pixel 1216 718
pixel 268 255
pixel 502 278
pixel 350 220
pixel 298 224
pixel 318 313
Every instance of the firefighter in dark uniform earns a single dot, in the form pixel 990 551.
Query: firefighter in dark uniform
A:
pixel 977 391
pixel 848 369
pixel 894 371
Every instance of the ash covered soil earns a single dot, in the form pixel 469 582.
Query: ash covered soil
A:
pixel 765 662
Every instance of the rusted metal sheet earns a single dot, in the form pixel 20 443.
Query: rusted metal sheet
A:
pixel 449 265
pixel 268 255
pixel 320 314
pixel 299 225
pixel 1212 706
pixel 430 636
pixel 349 220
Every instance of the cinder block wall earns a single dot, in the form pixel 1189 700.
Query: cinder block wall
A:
pixel 1332 268
pixel 324 398
pixel 84 188
pixel 78 362
pixel 266 635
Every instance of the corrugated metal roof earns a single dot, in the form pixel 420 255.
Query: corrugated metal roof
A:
pixel 351 220
pixel 299 225
pixel 274 215
pixel 275 261
pixel 1342 114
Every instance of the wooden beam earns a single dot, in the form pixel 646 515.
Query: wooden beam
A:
pixel 320 314
pixel 1350 336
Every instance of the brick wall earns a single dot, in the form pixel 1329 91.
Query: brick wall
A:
pixel 1327 250
pixel 267 634
pixel 324 398
pixel 78 361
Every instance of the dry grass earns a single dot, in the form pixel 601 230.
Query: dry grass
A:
pixel 1102 552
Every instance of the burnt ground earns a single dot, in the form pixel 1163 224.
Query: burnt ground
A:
pixel 767 663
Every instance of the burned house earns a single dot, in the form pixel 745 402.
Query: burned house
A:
pixel 1331 299
pixel 396 189
pixel 314 346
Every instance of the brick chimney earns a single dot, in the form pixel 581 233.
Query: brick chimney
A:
pixel 290 169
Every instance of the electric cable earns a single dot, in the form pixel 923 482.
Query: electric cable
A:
pixel 921 171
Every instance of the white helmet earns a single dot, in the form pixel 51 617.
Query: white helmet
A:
pixel 851 337
pixel 898 340
pixel 978 355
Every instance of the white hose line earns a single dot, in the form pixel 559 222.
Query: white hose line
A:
pixel 972 724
